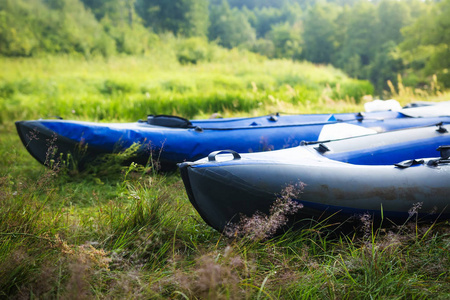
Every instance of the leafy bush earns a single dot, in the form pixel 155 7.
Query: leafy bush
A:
pixel 193 50
pixel 264 47
pixel 135 39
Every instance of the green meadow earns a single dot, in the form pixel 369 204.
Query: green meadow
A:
pixel 128 232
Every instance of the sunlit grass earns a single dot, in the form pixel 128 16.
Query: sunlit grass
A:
pixel 127 88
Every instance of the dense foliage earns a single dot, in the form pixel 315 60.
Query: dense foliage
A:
pixel 374 40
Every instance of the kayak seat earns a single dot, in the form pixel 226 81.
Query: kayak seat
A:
pixel 168 121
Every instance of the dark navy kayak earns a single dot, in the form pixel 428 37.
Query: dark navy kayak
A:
pixel 171 140
pixel 385 175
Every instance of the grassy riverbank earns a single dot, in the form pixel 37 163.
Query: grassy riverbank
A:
pixel 128 232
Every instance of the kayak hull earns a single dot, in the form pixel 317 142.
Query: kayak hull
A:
pixel 221 202
pixel 171 145
pixel 222 190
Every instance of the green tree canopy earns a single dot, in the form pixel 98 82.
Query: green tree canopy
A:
pixel 287 40
pixel 427 42
pixel 184 17
pixel 359 46
pixel 392 17
pixel 230 27
pixel 320 33
pixel 31 26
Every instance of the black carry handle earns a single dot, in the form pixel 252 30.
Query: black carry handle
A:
pixel 445 151
pixel 212 155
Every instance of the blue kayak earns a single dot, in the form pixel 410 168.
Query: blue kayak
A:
pixel 387 175
pixel 170 140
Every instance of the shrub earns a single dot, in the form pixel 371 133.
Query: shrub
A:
pixel 193 50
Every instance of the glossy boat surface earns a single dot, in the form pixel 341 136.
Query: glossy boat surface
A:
pixel 171 140
pixel 384 177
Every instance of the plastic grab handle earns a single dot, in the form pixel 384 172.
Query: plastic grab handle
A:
pixel 212 155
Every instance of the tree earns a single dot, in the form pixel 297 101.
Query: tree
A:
pixel 287 41
pixel 392 17
pixel 116 10
pixel 230 27
pixel 183 17
pixel 386 65
pixel 359 46
pixel 252 4
pixel 319 33
pixel 262 19
pixel 265 18
pixel 427 43
pixel 17 37
pixel 31 26
pixel 120 22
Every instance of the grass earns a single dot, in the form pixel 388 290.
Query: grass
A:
pixel 135 235
pixel 128 232
pixel 127 88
